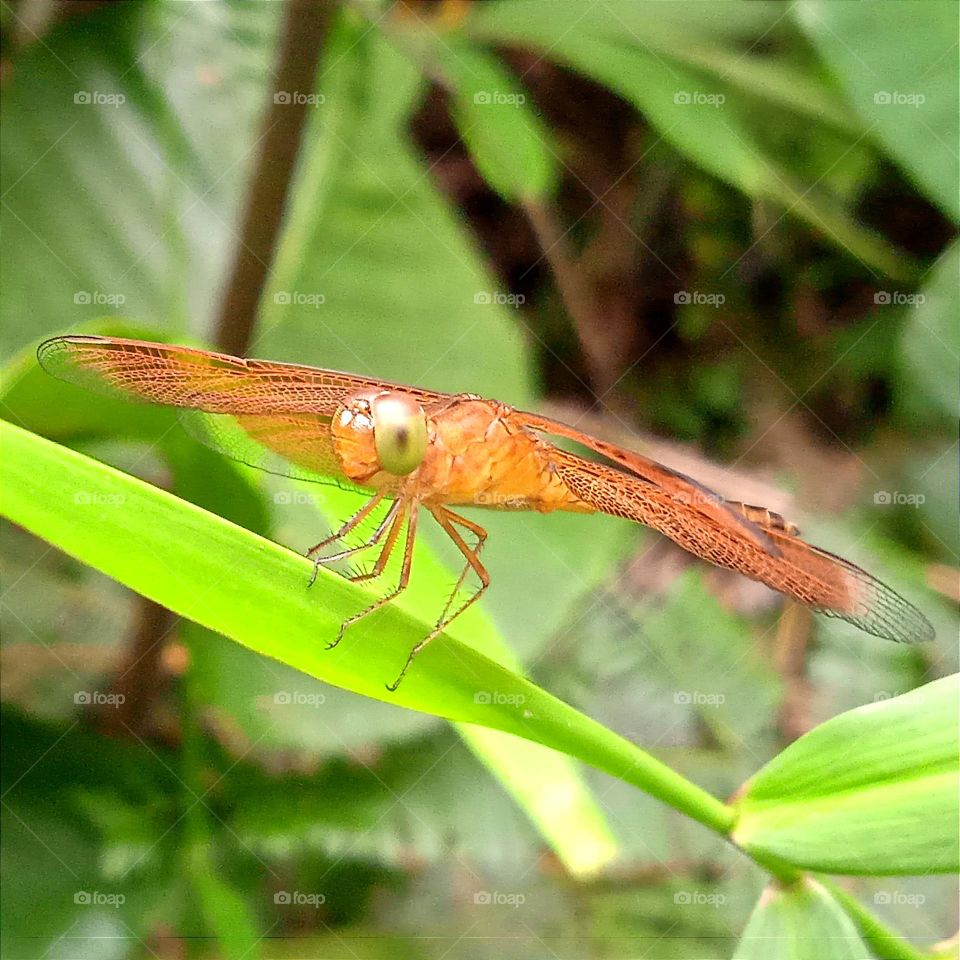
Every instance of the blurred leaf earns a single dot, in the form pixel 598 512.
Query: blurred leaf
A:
pixel 710 661
pixel 691 34
pixel 704 120
pixel 509 143
pixel 802 922
pixel 900 72
pixel 872 791
pixel 930 343
pixel 228 579
pixel 79 876
pixel 122 176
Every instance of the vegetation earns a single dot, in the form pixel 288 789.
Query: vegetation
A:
pixel 730 225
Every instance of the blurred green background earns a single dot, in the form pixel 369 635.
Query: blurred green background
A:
pixel 724 233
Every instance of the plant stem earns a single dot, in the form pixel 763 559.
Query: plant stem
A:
pixel 882 941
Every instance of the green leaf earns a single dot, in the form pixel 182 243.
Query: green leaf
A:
pixel 930 344
pixel 247 687
pixel 706 121
pixel 130 203
pixel 872 791
pixel 230 580
pixel 900 71
pixel 800 922
pixel 509 143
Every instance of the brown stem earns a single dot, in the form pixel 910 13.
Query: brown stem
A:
pixel 577 296
pixel 304 27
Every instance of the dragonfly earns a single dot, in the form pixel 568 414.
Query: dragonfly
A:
pixel 412 450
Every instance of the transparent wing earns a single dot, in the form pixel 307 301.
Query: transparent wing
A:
pixel 274 416
pixel 682 489
pixel 809 575
pixel 289 445
pixel 138 370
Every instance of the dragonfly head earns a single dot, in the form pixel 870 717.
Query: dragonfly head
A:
pixel 384 430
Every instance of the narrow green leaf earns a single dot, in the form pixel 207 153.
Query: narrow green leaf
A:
pixel 707 121
pixel 799 922
pixel 537 778
pixel 254 591
pixel 497 121
pixel 900 71
pixel 930 343
pixel 872 791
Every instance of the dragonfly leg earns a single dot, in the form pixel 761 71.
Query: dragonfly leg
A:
pixel 363 512
pixel 481 536
pixel 347 527
pixel 446 518
pixel 404 579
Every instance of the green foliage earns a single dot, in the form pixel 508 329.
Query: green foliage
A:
pixel 846 799
pixel 799 923
pixel 759 156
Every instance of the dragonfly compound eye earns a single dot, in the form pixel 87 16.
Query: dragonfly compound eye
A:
pixel 399 432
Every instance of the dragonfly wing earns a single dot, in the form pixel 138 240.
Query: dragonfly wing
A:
pixel 139 370
pixel 289 445
pixel 807 574
pixel 681 488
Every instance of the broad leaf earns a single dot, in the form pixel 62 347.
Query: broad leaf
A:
pixel 872 791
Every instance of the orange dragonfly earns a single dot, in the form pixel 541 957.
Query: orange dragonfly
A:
pixel 413 448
